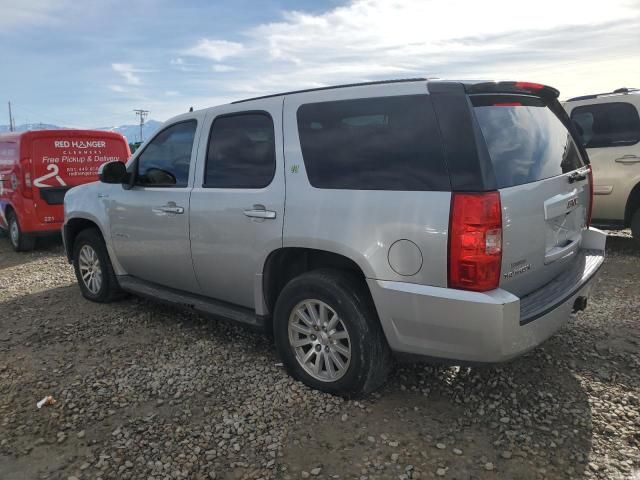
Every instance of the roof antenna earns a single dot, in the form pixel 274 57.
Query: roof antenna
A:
pixel 190 109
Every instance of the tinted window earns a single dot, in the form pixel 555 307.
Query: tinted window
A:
pixel 607 124
pixel 387 143
pixel 526 141
pixel 241 152
pixel 165 161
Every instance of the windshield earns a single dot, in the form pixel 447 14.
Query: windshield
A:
pixel 527 142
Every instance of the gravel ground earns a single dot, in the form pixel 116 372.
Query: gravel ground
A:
pixel 145 391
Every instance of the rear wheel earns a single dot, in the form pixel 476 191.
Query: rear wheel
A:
pixel 635 227
pixel 20 241
pixel 328 335
pixel 93 268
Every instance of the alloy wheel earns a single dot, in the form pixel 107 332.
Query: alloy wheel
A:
pixel 320 340
pixel 90 269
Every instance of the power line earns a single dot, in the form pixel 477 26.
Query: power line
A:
pixel 142 114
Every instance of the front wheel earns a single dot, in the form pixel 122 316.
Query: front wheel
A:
pixel 20 241
pixel 93 268
pixel 328 335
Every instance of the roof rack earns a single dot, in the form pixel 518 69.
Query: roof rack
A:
pixel 623 91
pixel 379 82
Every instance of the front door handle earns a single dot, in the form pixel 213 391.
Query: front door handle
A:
pixel 170 207
pixel 628 159
pixel 259 211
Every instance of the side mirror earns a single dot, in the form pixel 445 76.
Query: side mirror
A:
pixel 113 172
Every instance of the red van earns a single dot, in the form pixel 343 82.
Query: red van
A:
pixel 36 170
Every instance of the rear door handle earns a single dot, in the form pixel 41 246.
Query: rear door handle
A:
pixel 170 207
pixel 628 159
pixel 259 211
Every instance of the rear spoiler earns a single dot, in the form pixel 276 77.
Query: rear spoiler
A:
pixel 528 88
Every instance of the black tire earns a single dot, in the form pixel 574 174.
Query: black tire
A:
pixel 109 289
pixel 635 227
pixel 349 297
pixel 20 241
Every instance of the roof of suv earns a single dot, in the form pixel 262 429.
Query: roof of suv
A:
pixel 471 86
pixel 616 93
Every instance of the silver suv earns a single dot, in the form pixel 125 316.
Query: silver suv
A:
pixel 609 128
pixel 422 218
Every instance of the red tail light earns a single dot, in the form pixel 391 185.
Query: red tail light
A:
pixel 590 209
pixel 529 86
pixel 26 184
pixel 475 241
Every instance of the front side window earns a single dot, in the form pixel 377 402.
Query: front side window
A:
pixel 241 151
pixel 165 161
pixel 383 143
pixel 607 124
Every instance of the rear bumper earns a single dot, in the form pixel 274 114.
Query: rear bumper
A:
pixel 489 326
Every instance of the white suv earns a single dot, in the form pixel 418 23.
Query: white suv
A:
pixel 609 125
pixel 438 219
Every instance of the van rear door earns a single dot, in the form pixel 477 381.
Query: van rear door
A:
pixel 67 159
pixel 543 183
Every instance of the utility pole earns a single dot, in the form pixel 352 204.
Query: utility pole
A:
pixel 12 126
pixel 142 114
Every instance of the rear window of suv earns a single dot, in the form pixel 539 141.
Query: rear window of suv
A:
pixel 526 141
pixel 382 143
pixel 613 124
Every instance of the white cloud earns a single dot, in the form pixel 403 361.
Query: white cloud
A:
pixel 372 39
pixel 117 88
pixel 216 50
pixel 128 72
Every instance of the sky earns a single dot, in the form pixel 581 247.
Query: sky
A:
pixel 90 63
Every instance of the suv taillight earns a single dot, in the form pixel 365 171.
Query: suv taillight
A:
pixel 475 241
pixel 590 209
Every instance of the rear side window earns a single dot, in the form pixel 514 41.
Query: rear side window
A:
pixel 165 161
pixel 384 143
pixel 607 124
pixel 526 141
pixel 241 152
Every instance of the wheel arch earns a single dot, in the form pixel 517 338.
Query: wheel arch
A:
pixel 633 203
pixel 72 228
pixel 286 263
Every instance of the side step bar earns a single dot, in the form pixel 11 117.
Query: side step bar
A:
pixel 190 300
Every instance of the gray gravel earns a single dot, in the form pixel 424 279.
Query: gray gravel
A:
pixel 145 391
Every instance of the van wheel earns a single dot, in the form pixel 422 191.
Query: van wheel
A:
pixel 328 335
pixel 635 227
pixel 93 268
pixel 20 241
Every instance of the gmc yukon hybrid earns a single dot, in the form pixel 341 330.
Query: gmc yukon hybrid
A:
pixel 439 219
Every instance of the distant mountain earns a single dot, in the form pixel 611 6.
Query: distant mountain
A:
pixel 29 126
pixel 131 132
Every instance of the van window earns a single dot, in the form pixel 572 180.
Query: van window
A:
pixel 241 151
pixel 607 124
pixel 384 143
pixel 526 141
pixel 165 161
